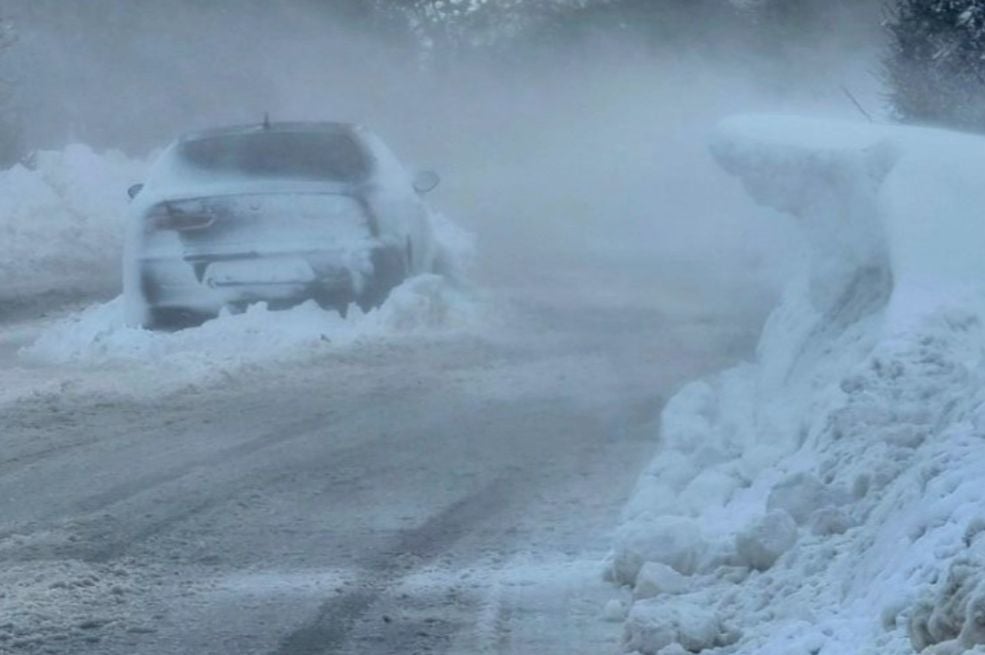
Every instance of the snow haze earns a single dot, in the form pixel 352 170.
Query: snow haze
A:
pixel 700 369
pixel 576 145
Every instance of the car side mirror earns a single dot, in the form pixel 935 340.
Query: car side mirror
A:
pixel 426 181
pixel 134 190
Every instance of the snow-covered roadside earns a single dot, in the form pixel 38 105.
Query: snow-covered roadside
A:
pixel 61 221
pixel 98 335
pixel 827 497
pixel 95 351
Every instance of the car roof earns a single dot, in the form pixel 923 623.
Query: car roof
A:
pixel 295 126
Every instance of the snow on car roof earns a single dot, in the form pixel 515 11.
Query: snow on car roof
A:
pixel 286 126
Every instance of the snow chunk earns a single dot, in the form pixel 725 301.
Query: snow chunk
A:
pixel 801 495
pixel 952 618
pixel 654 626
pixel 614 611
pixel 655 578
pixel 830 520
pixel 762 543
pixel 672 541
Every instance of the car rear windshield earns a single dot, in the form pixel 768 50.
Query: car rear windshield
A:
pixel 332 156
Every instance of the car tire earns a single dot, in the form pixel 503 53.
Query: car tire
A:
pixel 172 319
pixel 389 270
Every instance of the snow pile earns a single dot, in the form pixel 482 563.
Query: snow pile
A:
pixel 828 498
pixel 61 220
pixel 424 305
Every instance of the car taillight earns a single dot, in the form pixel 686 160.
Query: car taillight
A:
pixel 181 217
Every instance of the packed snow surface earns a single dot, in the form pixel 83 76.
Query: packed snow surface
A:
pixel 827 498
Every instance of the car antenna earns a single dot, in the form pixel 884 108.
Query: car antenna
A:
pixel 266 120
pixel 858 105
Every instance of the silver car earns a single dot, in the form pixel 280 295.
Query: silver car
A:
pixel 277 212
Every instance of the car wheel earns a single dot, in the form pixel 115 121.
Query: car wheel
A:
pixel 172 319
pixel 389 270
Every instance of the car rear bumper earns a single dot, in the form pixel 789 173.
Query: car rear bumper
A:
pixel 207 283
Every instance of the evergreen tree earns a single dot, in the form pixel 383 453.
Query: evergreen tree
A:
pixel 450 27
pixel 936 64
pixel 442 25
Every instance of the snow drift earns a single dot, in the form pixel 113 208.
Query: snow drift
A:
pixel 827 498
pixel 426 305
pixel 61 221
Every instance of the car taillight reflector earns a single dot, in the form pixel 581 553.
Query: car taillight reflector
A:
pixel 167 217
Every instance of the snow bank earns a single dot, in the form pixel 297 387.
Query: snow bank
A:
pixel 61 221
pixel 98 336
pixel 828 498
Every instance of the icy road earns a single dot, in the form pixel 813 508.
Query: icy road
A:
pixel 445 495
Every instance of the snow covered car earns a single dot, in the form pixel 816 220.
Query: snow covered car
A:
pixel 278 212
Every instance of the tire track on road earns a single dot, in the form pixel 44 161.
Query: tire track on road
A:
pixel 330 628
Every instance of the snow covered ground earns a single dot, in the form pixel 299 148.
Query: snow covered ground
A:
pixel 92 350
pixel 442 489
pixel 827 497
